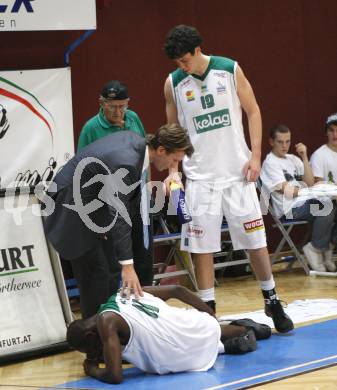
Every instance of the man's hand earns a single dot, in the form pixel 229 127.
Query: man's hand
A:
pixel 301 150
pixel 90 367
pixel 108 375
pixel 130 282
pixel 172 177
pixel 252 169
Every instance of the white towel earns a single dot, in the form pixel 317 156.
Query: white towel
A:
pixel 299 311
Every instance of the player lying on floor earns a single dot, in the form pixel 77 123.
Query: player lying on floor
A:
pixel 156 337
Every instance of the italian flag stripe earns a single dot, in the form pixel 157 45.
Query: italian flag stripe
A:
pixel 25 102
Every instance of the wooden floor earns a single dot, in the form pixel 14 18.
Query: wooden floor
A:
pixel 233 296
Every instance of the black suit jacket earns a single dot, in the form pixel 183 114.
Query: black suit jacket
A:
pixel 103 160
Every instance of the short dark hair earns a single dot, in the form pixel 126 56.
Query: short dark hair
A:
pixel 181 40
pixel 172 137
pixel 283 129
pixel 76 334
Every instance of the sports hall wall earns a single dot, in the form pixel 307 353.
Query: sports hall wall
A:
pixel 287 49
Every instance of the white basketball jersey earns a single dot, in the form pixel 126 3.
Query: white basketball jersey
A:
pixel 209 108
pixel 166 339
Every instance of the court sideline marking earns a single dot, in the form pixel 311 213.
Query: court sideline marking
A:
pixel 275 372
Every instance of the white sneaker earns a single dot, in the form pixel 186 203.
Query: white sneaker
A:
pixel 329 263
pixel 314 258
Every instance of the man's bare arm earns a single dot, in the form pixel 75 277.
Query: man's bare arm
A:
pixel 172 117
pixel 112 373
pixel 308 176
pixel 252 110
pixel 291 191
pixel 171 108
pixel 288 190
pixel 181 293
pixel 318 179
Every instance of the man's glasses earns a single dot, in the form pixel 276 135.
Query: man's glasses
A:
pixel 115 107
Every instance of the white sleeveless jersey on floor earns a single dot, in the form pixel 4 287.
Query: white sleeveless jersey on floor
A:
pixel 209 108
pixel 166 339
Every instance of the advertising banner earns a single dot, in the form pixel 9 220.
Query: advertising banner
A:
pixel 31 311
pixel 36 125
pixel 37 15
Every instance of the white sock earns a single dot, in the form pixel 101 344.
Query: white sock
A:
pixel 267 285
pixel 207 295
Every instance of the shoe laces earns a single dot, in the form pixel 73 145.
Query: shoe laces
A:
pixel 284 304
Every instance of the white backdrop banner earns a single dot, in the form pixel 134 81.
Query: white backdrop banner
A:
pixel 30 15
pixel 36 125
pixel 32 314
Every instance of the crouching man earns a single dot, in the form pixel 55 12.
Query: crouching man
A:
pixel 158 338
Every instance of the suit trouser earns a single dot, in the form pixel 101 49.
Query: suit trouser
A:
pixel 98 272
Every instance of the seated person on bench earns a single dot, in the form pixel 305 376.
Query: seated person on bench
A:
pixel 284 175
pixel 156 337
pixel 324 165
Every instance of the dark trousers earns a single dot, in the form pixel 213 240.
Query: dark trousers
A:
pixel 322 223
pixel 98 272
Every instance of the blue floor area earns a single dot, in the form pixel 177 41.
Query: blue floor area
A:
pixel 305 349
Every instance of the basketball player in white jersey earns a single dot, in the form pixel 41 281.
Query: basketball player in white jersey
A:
pixel 206 95
pixel 158 338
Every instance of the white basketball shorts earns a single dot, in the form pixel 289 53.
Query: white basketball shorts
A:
pixel 208 203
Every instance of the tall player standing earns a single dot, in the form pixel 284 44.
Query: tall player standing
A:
pixel 206 95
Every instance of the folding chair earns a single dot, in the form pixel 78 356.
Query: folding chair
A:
pixel 227 255
pixel 172 241
pixel 184 258
pixel 285 226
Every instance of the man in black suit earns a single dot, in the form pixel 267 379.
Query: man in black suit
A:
pixel 99 194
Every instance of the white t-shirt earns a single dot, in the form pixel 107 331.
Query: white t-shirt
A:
pixel 164 338
pixel 275 171
pixel 324 164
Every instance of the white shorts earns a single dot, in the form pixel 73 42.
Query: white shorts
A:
pixel 208 203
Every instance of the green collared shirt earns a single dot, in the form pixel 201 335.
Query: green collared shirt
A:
pixel 98 127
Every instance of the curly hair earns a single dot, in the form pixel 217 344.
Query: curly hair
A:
pixel 172 137
pixel 181 40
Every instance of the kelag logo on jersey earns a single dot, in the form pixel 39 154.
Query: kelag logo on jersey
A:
pixel 211 121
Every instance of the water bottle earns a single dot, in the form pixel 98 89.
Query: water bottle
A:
pixel 178 200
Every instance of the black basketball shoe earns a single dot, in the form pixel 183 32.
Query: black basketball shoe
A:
pixel 282 321
pixel 261 331
pixel 241 344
